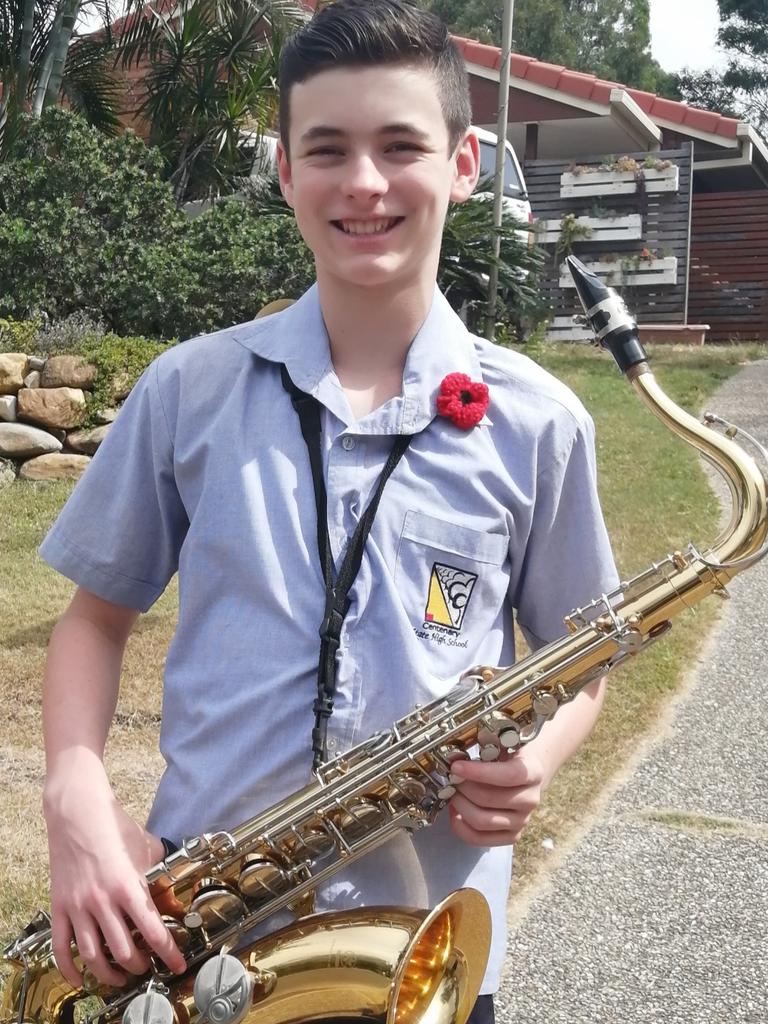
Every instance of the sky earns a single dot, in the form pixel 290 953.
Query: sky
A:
pixel 683 34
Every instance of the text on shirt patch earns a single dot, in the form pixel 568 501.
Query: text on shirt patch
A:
pixel 447 601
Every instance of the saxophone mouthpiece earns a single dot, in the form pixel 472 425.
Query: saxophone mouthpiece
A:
pixel 613 324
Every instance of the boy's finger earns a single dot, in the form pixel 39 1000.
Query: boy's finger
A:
pixel 471 836
pixel 89 946
pixel 147 920
pixel 502 798
pixel 511 771
pixel 482 819
pixel 62 935
pixel 122 946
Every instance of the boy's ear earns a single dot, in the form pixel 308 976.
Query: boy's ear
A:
pixel 466 168
pixel 284 173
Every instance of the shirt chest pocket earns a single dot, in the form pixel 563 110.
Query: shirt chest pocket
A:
pixel 451 579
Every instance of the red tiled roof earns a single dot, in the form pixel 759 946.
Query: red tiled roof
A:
pixel 590 87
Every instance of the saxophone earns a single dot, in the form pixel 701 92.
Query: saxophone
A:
pixel 389 965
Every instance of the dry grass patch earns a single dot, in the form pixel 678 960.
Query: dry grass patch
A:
pixel 32 597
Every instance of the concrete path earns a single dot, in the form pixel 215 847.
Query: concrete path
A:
pixel 659 913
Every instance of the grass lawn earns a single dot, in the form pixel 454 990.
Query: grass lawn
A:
pixel 655 498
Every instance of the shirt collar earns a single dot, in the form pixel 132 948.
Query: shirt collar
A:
pixel 297 337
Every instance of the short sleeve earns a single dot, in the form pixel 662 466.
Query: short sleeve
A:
pixel 567 561
pixel 120 533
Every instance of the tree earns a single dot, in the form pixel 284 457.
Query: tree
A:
pixel 707 90
pixel 609 38
pixel 742 89
pixel 744 36
pixel 87 223
pixel 41 64
pixel 211 80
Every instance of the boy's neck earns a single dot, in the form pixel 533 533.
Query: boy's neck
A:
pixel 370 331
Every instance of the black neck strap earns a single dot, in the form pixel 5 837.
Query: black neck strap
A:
pixel 337 600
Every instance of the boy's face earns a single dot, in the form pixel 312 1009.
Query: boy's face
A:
pixel 370 173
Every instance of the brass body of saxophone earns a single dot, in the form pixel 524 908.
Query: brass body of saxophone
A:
pixel 388 964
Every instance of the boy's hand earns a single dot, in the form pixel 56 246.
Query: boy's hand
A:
pixel 492 806
pixel 99 856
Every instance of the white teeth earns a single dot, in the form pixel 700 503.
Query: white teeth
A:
pixel 367 227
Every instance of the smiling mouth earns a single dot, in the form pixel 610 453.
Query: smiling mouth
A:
pixel 379 226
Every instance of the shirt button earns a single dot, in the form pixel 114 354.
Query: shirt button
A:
pixel 331 744
pixel 347 443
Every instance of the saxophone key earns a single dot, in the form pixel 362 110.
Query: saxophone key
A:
pixel 193 920
pixel 445 780
pixel 223 990
pixel 317 841
pixel 217 903
pixel 408 787
pixel 497 729
pixel 447 753
pixel 487 739
pixel 149 1007
pixel 360 816
pixel 545 704
pixel 181 935
pixel 509 736
pixel 262 878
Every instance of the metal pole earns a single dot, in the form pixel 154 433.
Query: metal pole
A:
pixel 498 181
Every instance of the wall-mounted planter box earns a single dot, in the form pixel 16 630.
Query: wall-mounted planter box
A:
pixel 564 328
pixel 602 229
pixel 645 274
pixel 617 183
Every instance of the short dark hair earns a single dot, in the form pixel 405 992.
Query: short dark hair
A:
pixel 356 33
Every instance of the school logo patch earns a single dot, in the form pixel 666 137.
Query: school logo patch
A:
pixel 449 592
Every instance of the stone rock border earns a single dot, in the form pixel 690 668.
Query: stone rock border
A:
pixel 42 407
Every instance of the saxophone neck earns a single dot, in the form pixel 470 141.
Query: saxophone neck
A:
pixel 743 542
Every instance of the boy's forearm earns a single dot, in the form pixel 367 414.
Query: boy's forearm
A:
pixel 560 738
pixel 82 677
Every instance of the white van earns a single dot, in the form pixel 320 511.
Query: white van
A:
pixel 515 201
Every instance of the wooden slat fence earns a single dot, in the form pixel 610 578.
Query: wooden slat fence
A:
pixel 658 291
pixel 729 265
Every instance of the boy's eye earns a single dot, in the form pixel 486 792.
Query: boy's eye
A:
pixel 404 147
pixel 324 151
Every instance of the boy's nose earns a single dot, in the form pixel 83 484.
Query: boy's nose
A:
pixel 363 178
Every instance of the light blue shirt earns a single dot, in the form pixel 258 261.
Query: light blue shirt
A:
pixel 205 473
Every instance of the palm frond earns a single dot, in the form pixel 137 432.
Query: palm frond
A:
pixel 91 86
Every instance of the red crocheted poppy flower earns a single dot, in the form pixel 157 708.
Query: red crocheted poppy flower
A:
pixel 462 400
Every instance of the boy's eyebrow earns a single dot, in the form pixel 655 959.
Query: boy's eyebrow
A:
pixel 403 128
pixel 321 131
pixel 324 131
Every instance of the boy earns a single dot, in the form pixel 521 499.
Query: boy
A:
pixel 206 473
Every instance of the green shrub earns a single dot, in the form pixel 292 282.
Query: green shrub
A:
pixel 18 335
pixel 241 258
pixel 466 255
pixel 86 222
pixel 119 362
